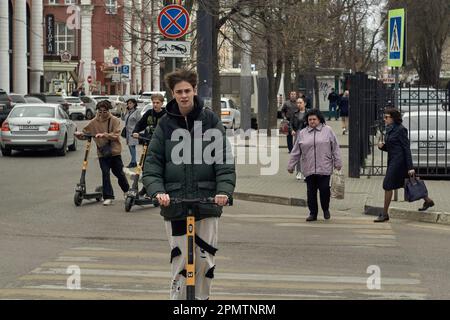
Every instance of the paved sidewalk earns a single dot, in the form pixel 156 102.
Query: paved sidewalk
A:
pixel 363 195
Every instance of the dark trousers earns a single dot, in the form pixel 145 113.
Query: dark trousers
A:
pixel 115 165
pixel 322 183
pixel 333 108
pixel 290 141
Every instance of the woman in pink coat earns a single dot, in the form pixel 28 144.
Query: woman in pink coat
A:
pixel 318 151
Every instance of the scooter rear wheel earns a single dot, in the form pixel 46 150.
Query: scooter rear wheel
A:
pixel 129 202
pixel 78 198
pixel 99 189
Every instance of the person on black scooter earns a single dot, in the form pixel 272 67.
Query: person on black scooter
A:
pixel 106 130
pixel 167 176
pixel 149 121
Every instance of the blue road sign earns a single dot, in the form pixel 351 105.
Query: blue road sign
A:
pixel 125 69
pixel 173 21
pixel 116 60
pixel 396 37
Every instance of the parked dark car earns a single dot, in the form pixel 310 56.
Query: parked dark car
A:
pixel 5 105
pixel 51 98
pixel 16 98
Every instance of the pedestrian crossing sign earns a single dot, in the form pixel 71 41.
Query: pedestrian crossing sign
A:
pixel 396 37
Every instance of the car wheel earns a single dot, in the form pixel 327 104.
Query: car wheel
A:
pixel 6 152
pixel 63 151
pixel 73 147
pixel 89 115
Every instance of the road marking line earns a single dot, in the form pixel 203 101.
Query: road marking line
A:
pixel 234 276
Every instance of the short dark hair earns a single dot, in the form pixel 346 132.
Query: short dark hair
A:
pixel 179 75
pixel 133 101
pixel 395 114
pixel 317 113
pixel 104 104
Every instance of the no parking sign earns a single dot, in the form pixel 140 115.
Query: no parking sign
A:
pixel 173 21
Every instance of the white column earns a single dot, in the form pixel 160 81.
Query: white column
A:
pixel 156 70
pixel 127 42
pixel 37 46
pixel 20 47
pixel 86 40
pixel 138 47
pixel 4 46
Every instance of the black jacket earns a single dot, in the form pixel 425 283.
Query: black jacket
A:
pixel 149 119
pixel 188 176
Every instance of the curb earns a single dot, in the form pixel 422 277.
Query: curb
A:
pixel 399 213
pixel 296 202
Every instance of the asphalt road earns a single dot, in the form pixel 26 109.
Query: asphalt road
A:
pixel 265 251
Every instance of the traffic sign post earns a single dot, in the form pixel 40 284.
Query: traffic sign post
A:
pixel 396 44
pixel 116 61
pixel 125 69
pixel 174 49
pixel 173 21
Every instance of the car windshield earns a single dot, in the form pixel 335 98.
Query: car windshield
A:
pixel 33 112
pixel 17 98
pixel 223 104
pixel 73 100
pixel 421 123
pixel 33 100
pixel 101 98
pixel 57 99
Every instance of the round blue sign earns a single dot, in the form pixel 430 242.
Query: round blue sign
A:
pixel 116 60
pixel 173 21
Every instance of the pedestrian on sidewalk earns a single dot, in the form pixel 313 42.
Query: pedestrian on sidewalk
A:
pixel 318 151
pixel 131 117
pixel 333 99
pixel 399 165
pixel 167 176
pixel 298 122
pixel 343 111
pixel 287 112
pixel 106 131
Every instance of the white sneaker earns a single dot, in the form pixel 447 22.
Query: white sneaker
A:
pixel 108 202
pixel 299 176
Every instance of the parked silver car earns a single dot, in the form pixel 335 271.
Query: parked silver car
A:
pixel 429 138
pixel 230 114
pixel 38 126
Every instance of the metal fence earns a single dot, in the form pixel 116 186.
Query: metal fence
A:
pixel 425 114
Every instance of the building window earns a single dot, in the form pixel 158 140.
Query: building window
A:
pixel 111 6
pixel 70 1
pixel 52 1
pixel 65 39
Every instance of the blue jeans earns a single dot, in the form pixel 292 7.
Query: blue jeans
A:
pixel 115 165
pixel 332 108
pixel 133 153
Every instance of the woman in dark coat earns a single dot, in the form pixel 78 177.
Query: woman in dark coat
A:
pixel 399 164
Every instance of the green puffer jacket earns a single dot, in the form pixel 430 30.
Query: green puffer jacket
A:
pixel 188 178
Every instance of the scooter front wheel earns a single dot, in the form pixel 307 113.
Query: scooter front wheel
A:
pixel 129 202
pixel 78 198
pixel 99 189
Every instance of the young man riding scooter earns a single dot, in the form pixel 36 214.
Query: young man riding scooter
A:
pixel 106 129
pixel 149 121
pixel 169 173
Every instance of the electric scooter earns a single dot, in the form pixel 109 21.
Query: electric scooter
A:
pixel 188 205
pixel 133 194
pixel 80 190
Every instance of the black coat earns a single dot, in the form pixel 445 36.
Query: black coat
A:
pixel 399 157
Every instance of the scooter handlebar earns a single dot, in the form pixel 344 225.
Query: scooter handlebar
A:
pixel 210 200
pixel 143 137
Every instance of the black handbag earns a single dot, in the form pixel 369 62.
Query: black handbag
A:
pixel 124 132
pixel 415 189
pixel 106 150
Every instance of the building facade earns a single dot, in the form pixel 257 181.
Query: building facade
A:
pixel 53 45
